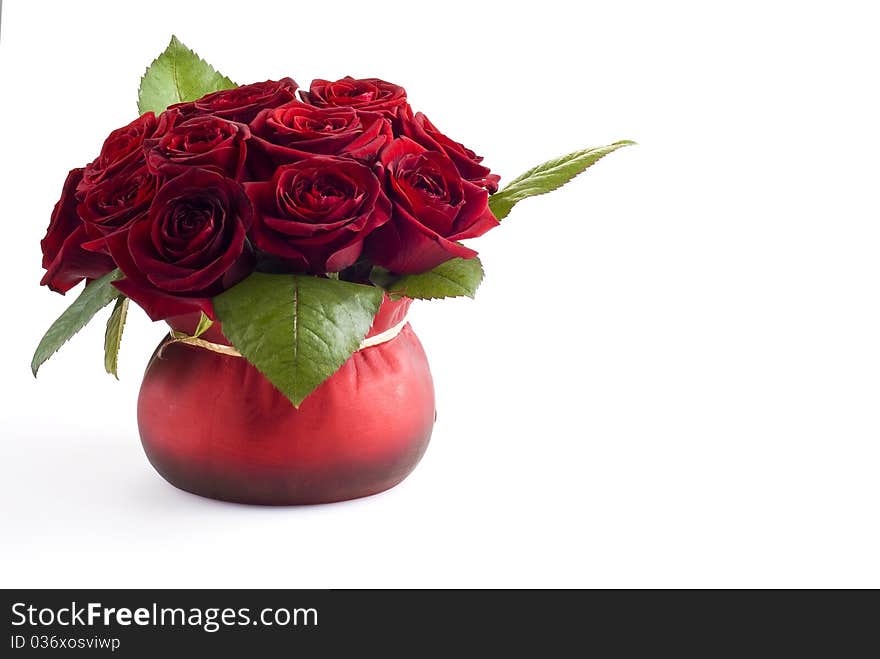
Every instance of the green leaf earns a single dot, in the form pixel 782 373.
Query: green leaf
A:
pixel 94 297
pixel 176 76
pixel 113 335
pixel 383 278
pixel 203 326
pixel 454 278
pixel 297 330
pixel 547 177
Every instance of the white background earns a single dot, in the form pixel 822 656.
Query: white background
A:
pixel 669 378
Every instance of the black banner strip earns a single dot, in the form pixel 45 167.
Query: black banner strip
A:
pixel 414 623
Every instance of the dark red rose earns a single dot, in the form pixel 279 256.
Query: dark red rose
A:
pixel 418 128
pixel 369 94
pixel 190 247
pixel 202 141
pixel 122 148
pixel 433 208
pixel 241 103
pixel 295 131
pixel 65 260
pixel 117 201
pixel 317 212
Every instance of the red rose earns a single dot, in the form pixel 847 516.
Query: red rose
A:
pixel 296 130
pixel 190 247
pixel 121 149
pixel 117 201
pixel 433 208
pixel 316 213
pixel 421 130
pixel 368 94
pixel 241 103
pixel 202 141
pixel 64 259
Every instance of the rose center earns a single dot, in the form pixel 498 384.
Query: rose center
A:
pixel 188 220
pixel 321 193
pixel 430 182
pixel 328 125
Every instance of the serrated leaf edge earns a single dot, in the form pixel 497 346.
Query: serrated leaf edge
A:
pixel 511 195
pixel 175 43
pixel 396 292
pixel 108 278
pixel 113 335
pixel 292 394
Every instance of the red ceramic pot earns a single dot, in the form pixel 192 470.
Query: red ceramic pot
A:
pixel 211 424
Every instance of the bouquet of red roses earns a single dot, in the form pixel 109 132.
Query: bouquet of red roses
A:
pixel 286 215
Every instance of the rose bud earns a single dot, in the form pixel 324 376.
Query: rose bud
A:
pixel 419 129
pixel 190 247
pixel 65 260
pixel 369 94
pixel 121 149
pixel 202 141
pixel 433 208
pixel 117 201
pixel 316 213
pixel 296 130
pixel 241 103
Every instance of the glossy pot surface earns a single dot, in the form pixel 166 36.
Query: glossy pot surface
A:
pixel 211 424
